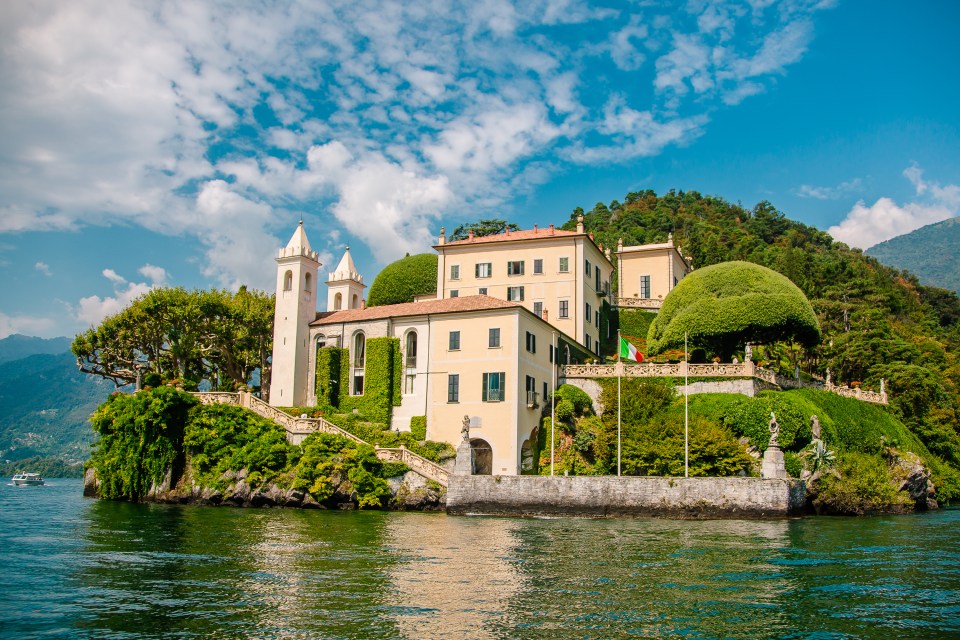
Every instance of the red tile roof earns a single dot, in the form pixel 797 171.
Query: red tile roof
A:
pixel 448 305
pixel 526 234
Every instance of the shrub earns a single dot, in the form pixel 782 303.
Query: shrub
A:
pixel 656 448
pixel 861 485
pixel 403 280
pixel 564 411
pixel 418 427
pixel 793 462
pixel 582 404
pixel 750 417
pixel 725 305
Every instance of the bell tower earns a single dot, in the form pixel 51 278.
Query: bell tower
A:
pixel 345 286
pixel 296 308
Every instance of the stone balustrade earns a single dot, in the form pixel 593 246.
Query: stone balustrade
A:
pixel 652 304
pixel 299 428
pixel 746 369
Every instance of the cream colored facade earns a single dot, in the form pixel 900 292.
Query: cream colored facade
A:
pixel 562 276
pixel 649 272
pixel 476 357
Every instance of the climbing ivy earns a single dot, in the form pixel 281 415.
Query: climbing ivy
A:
pixel 328 374
pixel 380 381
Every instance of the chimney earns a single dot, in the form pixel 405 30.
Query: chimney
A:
pixel 551 228
pixel 534 228
pixel 619 245
pixel 545 315
pixel 469 234
pixel 363 303
pixel 443 236
pixel 580 223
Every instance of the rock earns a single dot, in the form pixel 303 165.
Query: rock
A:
pixel 91 485
pixel 911 476
pixel 310 503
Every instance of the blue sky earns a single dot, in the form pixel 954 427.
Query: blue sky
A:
pixel 178 143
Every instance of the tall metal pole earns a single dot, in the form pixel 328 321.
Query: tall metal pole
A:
pixel 686 409
pixel 553 396
pixel 619 368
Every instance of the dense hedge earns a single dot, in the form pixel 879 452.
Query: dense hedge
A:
pixel 635 323
pixel 723 306
pixel 328 374
pixel 403 280
pixel 418 427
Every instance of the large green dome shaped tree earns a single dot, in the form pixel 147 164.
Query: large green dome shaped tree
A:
pixel 726 305
pixel 404 279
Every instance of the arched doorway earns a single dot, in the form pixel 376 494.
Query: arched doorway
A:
pixel 482 457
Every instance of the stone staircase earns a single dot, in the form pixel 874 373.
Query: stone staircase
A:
pixel 299 428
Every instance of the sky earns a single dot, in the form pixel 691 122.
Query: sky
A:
pixel 178 143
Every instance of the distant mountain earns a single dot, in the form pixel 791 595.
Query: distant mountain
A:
pixel 932 253
pixel 19 346
pixel 45 402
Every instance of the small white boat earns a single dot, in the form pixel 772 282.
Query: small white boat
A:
pixel 27 479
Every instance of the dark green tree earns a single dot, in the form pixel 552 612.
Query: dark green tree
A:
pixel 482 228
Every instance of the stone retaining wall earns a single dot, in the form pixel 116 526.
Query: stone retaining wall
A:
pixel 626 496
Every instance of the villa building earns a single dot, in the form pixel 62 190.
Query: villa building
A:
pixel 647 273
pixel 509 309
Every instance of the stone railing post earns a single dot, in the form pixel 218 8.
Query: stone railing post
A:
pixel 684 368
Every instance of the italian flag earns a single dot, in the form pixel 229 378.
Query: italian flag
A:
pixel 629 352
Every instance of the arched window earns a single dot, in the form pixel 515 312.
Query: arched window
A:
pixel 338 302
pixel 288 281
pixel 359 358
pixel 307 284
pixel 355 302
pixel 412 350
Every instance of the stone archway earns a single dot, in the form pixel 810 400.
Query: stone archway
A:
pixel 482 457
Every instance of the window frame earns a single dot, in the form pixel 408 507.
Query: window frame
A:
pixel 453 341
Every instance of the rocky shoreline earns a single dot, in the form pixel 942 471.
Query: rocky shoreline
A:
pixel 409 492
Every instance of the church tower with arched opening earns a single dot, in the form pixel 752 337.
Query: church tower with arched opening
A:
pixel 296 308
pixel 345 285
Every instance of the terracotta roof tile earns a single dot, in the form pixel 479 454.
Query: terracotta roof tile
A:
pixel 448 305
pixel 525 234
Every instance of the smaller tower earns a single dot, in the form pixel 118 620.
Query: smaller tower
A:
pixel 345 286
pixel 296 308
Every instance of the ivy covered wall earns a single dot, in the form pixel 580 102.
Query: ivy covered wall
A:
pixel 382 379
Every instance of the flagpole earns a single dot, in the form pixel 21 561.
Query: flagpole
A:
pixel 686 409
pixel 553 397
pixel 619 371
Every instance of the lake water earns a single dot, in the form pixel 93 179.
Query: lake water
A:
pixel 81 568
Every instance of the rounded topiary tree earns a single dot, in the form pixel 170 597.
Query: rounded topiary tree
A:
pixel 726 305
pixel 404 279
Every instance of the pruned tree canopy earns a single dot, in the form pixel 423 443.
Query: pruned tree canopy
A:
pixel 482 228
pixel 726 305
pixel 218 336
pixel 404 279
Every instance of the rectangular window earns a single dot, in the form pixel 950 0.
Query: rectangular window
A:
pixel 596 319
pixel 408 381
pixel 483 291
pixel 551 357
pixel 588 268
pixel 454 293
pixel 454 341
pixel 454 272
pixel 564 265
pixel 484 270
pixel 596 273
pixel 493 386
pixel 564 309
pixel 538 309
pixel 531 392
pixel 515 294
pixel 588 313
pixel 546 390
pixel 644 286
pixel 453 387
pixel 587 341
pixel 538 265
pixel 493 339
pixel 358 382
pixel 515 268
pixel 531 342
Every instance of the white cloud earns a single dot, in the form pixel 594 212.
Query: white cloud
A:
pixel 829 193
pixel 27 325
pixel 113 277
pixel 865 226
pixel 156 275
pixel 43 268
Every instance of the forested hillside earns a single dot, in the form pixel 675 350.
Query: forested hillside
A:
pixel 878 323
pixel 931 252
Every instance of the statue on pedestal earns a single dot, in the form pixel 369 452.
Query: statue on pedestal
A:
pixel 465 429
pixel 815 426
pixel 774 430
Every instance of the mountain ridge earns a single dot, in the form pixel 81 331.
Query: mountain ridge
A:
pixel 930 252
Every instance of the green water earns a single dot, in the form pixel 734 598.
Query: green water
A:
pixel 75 567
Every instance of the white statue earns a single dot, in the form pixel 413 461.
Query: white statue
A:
pixel 774 430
